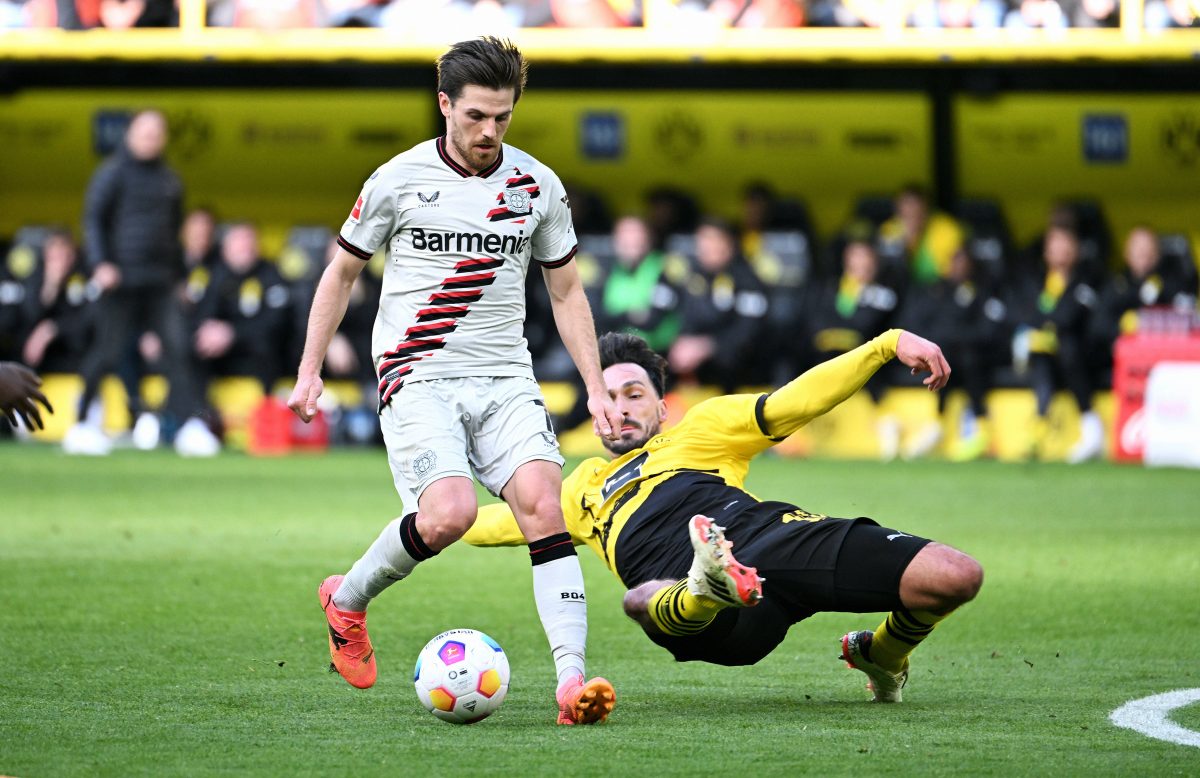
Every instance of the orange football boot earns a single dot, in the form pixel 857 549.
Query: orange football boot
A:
pixel 585 703
pixel 349 644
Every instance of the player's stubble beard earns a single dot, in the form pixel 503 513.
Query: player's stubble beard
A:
pixel 623 445
pixel 475 160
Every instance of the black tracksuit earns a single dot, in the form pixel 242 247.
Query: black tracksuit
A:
pixel 132 215
pixel 258 305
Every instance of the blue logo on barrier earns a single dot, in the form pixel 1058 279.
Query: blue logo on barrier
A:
pixel 1105 138
pixel 603 135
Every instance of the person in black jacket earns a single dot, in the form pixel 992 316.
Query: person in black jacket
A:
pixel 64 310
pixel 724 309
pixel 1148 280
pixel 1052 310
pixel 132 216
pixel 845 312
pixel 245 314
pixel 964 313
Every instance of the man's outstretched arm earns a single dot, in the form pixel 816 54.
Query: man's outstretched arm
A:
pixel 573 317
pixel 830 383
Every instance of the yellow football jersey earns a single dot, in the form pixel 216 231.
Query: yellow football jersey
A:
pixel 718 437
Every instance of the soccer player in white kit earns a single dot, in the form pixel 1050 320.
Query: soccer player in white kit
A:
pixel 462 218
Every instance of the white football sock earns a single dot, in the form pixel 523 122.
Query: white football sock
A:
pixel 389 559
pixel 558 591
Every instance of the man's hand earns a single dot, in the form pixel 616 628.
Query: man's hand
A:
pixel 606 420
pixel 19 395
pixel 923 355
pixel 303 401
pixel 214 338
pixel 106 276
pixel 689 352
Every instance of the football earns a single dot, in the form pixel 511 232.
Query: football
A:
pixel 461 676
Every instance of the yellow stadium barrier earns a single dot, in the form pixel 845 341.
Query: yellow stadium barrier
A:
pixel 629 45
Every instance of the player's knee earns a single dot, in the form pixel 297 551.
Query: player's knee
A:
pixel 543 515
pixel 962 578
pixel 446 523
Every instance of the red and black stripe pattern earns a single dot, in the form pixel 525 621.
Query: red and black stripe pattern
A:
pixel 516 201
pixel 435 322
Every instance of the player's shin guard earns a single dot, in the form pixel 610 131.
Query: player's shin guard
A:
pixel 676 611
pixel 558 591
pixel 899 634
pixel 393 555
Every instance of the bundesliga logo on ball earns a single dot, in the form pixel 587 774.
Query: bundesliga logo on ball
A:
pixel 461 676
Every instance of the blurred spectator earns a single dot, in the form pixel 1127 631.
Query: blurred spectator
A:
pixel 583 13
pixel 1037 15
pixel 200 256
pixel 859 13
pixel 671 213
pixel 1096 13
pixel 245 316
pixel 776 241
pixel 965 316
pixel 589 213
pixel 1168 14
pixel 1147 280
pixel 132 220
pixel 918 237
pixel 65 308
pixel 109 14
pixel 1053 311
pixel 958 15
pixel 638 296
pixel 724 309
pixel 18 299
pixel 718 14
pixel 843 313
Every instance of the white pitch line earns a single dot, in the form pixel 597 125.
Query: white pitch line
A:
pixel 1149 716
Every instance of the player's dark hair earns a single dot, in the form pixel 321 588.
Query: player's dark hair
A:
pixel 489 62
pixel 913 189
pixel 618 347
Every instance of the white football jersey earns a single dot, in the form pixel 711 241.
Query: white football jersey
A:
pixel 459 247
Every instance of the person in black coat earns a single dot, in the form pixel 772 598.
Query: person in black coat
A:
pixel 843 313
pixel 965 314
pixel 245 315
pixel 1052 309
pixel 132 218
pixel 64 310
pixel 723 313
pixel 1148 280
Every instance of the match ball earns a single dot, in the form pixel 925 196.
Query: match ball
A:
pixel 461 676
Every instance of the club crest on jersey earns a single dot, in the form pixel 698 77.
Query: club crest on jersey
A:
pixel 516 200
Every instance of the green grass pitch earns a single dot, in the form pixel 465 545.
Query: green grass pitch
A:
pixel 160 618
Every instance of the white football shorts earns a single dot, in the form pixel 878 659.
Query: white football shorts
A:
pixel 484 426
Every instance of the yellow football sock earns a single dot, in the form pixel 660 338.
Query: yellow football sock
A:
pixel 676 611
pixel 900 633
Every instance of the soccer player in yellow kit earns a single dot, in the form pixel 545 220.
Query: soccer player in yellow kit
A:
pixel 666 510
